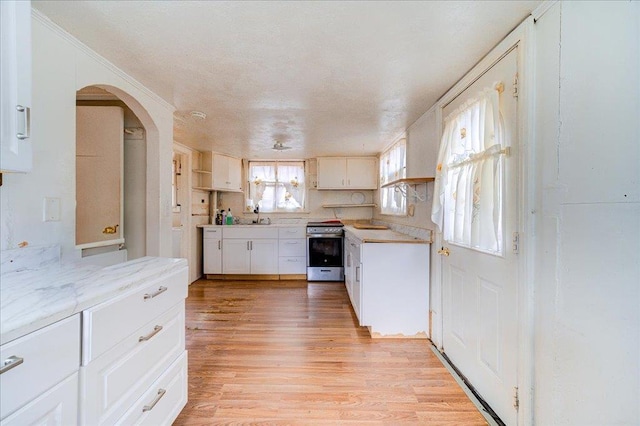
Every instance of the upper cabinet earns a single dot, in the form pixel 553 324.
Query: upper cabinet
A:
pixel 347 173
pixel 219 173
pixel 15 86
pixel 422 146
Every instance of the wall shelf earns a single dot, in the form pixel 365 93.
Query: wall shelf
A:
pixel 333 206
pixel 408 181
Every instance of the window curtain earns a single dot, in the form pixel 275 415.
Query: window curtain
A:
pixel 467 202
pixel 393 166
pixel 277 186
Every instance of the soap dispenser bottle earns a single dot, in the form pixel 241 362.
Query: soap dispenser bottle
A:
pixel 229 218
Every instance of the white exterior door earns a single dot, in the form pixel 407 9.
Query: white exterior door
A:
pixel 480 289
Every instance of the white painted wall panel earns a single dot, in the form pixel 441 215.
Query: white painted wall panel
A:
pixel 587 298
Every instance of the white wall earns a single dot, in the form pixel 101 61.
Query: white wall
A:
pixel 61 66
pixel 587 291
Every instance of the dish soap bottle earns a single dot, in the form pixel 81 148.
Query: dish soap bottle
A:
pixel 229 218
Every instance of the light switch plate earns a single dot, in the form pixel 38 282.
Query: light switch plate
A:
pixel 51 210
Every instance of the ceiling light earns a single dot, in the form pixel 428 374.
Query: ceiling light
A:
pixel 198 115
pixel 278 146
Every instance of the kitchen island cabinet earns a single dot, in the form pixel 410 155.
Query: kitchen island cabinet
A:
pixel 94 370
pixel 388 282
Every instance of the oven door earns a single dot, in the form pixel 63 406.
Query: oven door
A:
pixel 325 258
pixel 324 250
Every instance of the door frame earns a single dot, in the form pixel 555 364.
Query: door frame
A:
pixel 523 36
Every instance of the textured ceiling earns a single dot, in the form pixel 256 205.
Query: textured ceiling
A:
pixel 325 78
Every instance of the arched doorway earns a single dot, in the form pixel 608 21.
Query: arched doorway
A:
pixel 111 175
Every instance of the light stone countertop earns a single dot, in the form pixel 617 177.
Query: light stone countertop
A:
pixel 32 298
pixel 273 225
pixel 383 236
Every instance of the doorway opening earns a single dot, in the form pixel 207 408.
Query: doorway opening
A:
pixel 111 178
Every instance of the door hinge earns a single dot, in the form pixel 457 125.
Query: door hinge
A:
pixel 516 398
pixel 515 243
pixel 515 86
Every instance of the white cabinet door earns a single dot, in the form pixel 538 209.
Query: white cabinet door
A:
pixel 220 172
pixel 15 86
pixel 361 173
pixel 236 256
pixel 332 172
pixel 212 249
pixel 226 173
pixel 56 407
pixel 264 256
pixel 41 359
pixel 235 174
pixel 358 287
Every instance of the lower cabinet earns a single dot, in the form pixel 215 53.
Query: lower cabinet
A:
pixel 250 250
pixel 212 250
pixel 57 406
pixel 39 376
pixel 122 365
pixel 388 285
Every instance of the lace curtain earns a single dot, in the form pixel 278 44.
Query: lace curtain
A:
pixel 393 165
pixel 467 202
pixel 277 186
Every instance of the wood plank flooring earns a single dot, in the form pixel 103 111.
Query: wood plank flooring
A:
pixel 290 352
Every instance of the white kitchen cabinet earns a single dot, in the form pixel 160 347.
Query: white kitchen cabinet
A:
pixel 219 173
pixel 236 256
pixel 212 250
pixel 250 250
pixel 129 343
pixel 264 256
pixel 347 173
pixel 390 287
pixel 56 407
pixel 292 251
pixel 15 86
pixel 42 360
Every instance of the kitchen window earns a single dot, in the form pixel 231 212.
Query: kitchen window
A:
pixel 393 166
pixel 277 186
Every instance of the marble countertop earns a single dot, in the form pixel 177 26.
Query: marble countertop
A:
pixel 273 225
pixel 34 297
pixel 383 236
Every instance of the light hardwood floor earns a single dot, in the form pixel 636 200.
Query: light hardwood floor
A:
pixel 290 352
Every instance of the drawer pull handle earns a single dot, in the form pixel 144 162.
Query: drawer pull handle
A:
pixel 155 331
pixel 157 293
pixel 292 242
pixel 11 362
pixel 159 396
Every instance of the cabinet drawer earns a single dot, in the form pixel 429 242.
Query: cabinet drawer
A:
pixel 113 382
pixel 250 232
pixel 293 232
pixel 292 265
pixel 48 355
pixel 108 323
pixel 164 400
pixel 56 407
pixel 290 247
pixel 215 233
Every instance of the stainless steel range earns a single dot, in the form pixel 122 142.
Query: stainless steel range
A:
pixel 325 248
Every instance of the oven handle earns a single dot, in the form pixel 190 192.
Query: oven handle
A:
pixel 323 236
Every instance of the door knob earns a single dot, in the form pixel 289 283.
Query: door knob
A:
pixel 443 251
pixel 110 229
